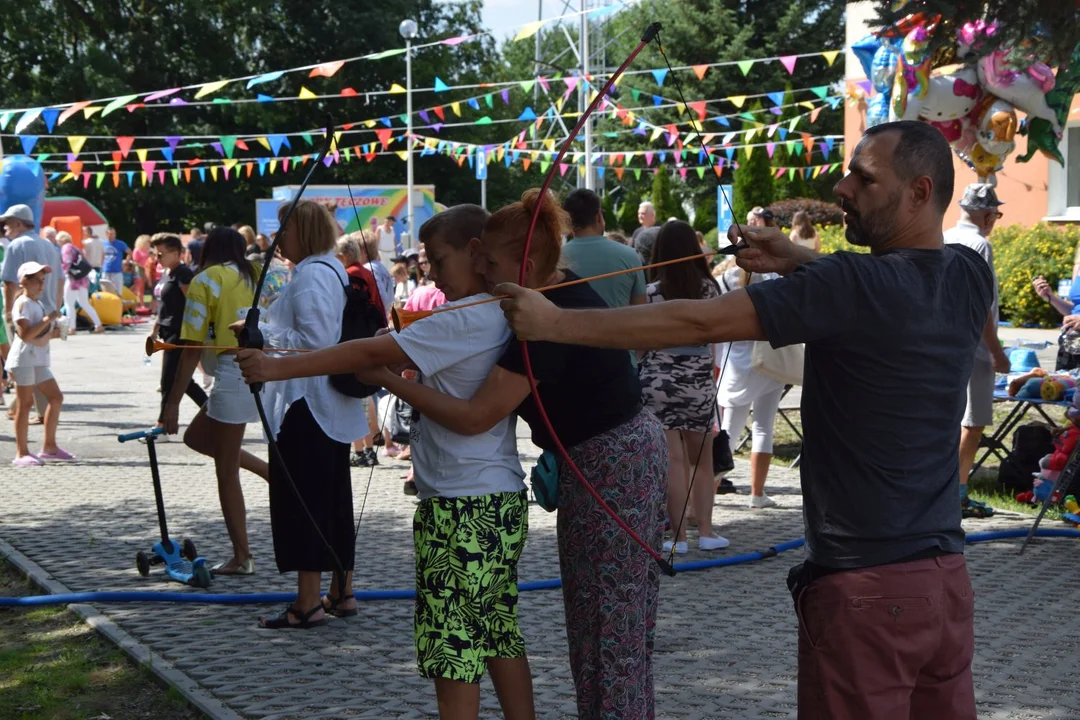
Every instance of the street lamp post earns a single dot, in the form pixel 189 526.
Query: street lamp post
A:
pixel 408 30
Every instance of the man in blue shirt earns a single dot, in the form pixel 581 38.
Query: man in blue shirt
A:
pixel 116 251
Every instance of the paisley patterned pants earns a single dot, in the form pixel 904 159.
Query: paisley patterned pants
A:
pixel 610 584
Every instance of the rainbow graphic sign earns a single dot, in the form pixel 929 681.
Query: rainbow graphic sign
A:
pixel 372 205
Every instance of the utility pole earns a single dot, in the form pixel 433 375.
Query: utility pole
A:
pixel 584 84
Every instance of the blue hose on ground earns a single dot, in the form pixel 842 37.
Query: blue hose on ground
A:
pixel 370 595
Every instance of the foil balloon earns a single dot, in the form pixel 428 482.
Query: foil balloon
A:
pixel 913 74
pixel 1041 135
pixel 953 93
pixel 882 76
pixel 864 50
pixel 1024 89
pixel 984 164
pixel 877 110
pixel 22 182
pixel 972 37
pixel 995 126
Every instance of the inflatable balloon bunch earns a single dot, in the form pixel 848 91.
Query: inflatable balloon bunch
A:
pixel 22 182
pixel 974 101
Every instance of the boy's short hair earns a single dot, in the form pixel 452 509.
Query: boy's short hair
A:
pixel 166 240
pixel 455 225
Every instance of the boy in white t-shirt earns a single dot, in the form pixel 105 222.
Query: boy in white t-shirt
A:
pixel 472 520
pixel 28 364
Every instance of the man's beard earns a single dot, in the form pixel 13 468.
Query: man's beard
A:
pixel 872 228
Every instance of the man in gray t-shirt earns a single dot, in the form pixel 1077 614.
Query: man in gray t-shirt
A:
pixel 884 601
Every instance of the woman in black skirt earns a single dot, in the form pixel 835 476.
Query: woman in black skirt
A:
pixel 311 515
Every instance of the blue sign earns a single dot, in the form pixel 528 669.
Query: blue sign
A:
pixel 724 218
pixel 481 164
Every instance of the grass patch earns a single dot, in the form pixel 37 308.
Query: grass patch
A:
pixel 53 666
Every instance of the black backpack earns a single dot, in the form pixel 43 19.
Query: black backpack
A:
pixel 1030 444
pixel 360 319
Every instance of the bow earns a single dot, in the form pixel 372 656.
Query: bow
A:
pixel 650 33
pixel 251 337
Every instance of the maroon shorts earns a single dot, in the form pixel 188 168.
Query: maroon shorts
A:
pixel 892 642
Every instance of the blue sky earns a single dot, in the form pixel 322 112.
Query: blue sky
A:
pixel 501 15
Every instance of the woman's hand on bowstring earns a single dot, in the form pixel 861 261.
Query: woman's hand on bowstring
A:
pixel 769 250
pixel 257 366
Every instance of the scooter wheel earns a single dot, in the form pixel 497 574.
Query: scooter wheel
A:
pixel 142 563
pixel 188 549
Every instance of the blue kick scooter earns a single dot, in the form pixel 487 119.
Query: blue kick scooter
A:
pixel 181 561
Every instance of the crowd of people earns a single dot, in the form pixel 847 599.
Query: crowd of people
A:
pixel 633 375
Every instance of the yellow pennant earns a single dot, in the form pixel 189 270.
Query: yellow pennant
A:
pixel 210 87
pixel 264 142
pixel 88 112
pixel 830 56
pixel 213 172
pixel 404 155
pixel 456 107
pixel 396 89
pixel 737 100
pixel 306 94
pixel 76 142
pixel 141 154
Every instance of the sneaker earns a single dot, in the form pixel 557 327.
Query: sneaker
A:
pixel 974 509
pixel 27 461
pixel 760 502
pixel 372 456
pixel 359 459
pixel 726 487
pixel 680 547
pixel 712 543
pixel 410 487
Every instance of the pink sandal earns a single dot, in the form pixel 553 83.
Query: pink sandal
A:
pixel 27 461
pixel 60 454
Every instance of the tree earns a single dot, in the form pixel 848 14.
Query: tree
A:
pixel 628 221
pixel 608 206
pixel 753 182
pixel 705 213
pixel 662 198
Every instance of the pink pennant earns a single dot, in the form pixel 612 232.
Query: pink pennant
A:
pixel 770 148
pixel 86 180
pixel 160 94
pixel 456 40
pixel 648 159
pixel 562 168
pixel 161 176
pixel 571 82
pixel 285 164
pixel 682 173
pixel 814 114
pixel 789 63
pixel 148 167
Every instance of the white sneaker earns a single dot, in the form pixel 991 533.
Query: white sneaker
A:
pixel 680 547
pixel 760 502
pixel 712 543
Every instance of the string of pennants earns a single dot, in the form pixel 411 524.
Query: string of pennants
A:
pixel 56 115
pixel 226 145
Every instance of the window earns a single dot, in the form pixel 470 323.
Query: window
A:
pixel 1071 140
pixel 1063 196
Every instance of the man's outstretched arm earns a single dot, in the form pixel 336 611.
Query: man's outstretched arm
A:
pixel 641 327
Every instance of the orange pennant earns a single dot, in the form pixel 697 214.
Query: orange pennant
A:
pixel 700 71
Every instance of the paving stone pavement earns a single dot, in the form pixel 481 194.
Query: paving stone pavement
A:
pixel 726 637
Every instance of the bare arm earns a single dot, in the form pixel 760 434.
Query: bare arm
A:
pixel 997 352
pixel 342 358
pixel 638 300
pixel 189 359
pixel 496 399
pixel 670 324
pixel 11 291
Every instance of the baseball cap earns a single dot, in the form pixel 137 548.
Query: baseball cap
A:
pixel 32 268
pixel 19 212
pixel 411 253
pixel 980 196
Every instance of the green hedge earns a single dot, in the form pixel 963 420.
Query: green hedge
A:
pixel 1021 254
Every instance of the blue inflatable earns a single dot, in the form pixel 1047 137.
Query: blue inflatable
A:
pixel 22 182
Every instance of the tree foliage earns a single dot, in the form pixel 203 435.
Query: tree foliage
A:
pixel 628 221
pixel 663 199
pixel 753 183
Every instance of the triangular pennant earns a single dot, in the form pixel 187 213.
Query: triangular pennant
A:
pixel 5 118
pixel 210 87
pixel 440 86
pixel 228 142
pixel 384 135
pixel 167 153
pixel 116 104
pixel 737 100
pixel 397 89
pixel 306 94
pixel 327 69
pixel 698 107
pixel 213 172
pixel 814 114
pixel 28 143
pixel 264 78
pixel 777 98
pixel 830 56
pixel 76 143
pixel 527 85
pixel 75 168
pixel 89 111
pixel 76 107
pixel 528 30
pixel 788 62
pixel 660 74
pixel 456 107
pixel 700 71
pixel 745 66
pixel 49 115
pixel 98 179
pixel 27 117
pixel 527 114
pixel 141 154
pixel 124 143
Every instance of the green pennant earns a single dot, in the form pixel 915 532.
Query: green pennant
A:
pixel 307 138
pixel 99 178
pixel 637 173
pixel 117 104
pixel 747 116
pixel 404 119
pixel 635 93
pixel 794 121
pixel 544 165
pixel 682 155
pixel 228 143
pixel 527 85
pixel 701 173
pixel 798 147
pixel 745 66
pixel 348 155
pixel 821 91
pixel 222 101
pixel 175 172
pixel 385 54
pixel 532 131
pixel 5 118
pixel 43 157
pixel 483 121
pixel 611 135
pixel 487 100
pixel 790 173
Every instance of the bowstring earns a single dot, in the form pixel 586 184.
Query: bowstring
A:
pixel 714 397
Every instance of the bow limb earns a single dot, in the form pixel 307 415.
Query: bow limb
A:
pixel 665 566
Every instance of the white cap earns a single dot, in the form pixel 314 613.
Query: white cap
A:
pixel 32 268
pixel 19 212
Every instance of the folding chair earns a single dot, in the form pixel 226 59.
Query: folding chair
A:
pixel 1064 480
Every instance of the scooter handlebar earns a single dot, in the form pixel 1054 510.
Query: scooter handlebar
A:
pixel 140 434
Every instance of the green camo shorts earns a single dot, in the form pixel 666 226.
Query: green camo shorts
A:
pixel 467 551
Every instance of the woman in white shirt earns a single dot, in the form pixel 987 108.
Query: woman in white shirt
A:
pixel 742 388
pixel 312 516
pixel 803 232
